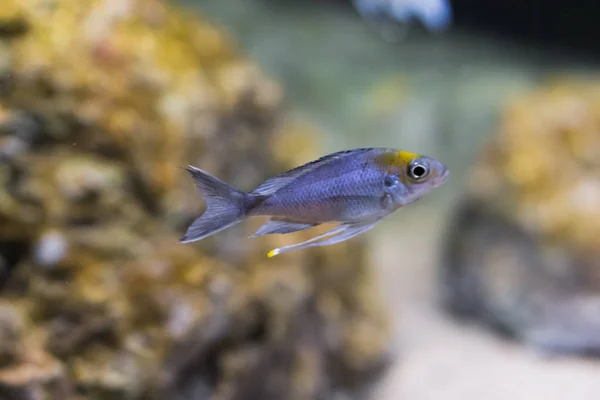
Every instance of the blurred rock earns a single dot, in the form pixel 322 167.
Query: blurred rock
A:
pixel 523 251
pixel 101 104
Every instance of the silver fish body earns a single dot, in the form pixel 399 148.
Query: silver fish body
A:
pixel 356 188
pixel 343 190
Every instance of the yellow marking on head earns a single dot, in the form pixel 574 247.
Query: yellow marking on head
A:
pixel 399 159
pixel 272 253
pixel 403 158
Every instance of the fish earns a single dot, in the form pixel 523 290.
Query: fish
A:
pixel 355 189
pixel 436 15
pixel 393 17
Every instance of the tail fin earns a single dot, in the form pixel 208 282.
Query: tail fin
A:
pixel 224 206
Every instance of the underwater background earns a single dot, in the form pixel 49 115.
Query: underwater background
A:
pixel 489 287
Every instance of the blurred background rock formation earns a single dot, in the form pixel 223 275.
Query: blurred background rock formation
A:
pixel 523 252
pixel 101 104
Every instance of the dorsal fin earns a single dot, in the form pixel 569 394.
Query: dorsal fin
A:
pixel 275 183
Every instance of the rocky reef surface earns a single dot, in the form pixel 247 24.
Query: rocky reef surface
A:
pixel 101 104
pixel 523 251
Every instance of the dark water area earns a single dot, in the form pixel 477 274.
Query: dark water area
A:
pixel 557 25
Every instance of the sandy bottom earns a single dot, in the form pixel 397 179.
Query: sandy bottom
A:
pixel 439 358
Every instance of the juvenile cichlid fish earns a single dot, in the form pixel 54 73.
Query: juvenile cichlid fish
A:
pixel 356 188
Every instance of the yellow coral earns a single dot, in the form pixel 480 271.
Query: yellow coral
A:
pixel 548 155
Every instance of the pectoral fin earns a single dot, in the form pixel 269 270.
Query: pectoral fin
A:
pixel 282 226
pixel 343 231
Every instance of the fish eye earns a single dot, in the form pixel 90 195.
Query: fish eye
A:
pixel 418 170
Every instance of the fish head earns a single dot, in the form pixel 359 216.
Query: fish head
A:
pixel 410 176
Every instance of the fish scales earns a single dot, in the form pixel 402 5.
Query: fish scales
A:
pixel 330 192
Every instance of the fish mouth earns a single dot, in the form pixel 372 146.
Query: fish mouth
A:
pixel 442 178
pixel 445 175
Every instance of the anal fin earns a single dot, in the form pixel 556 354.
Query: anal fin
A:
pixel 343 231
pixel 282 226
